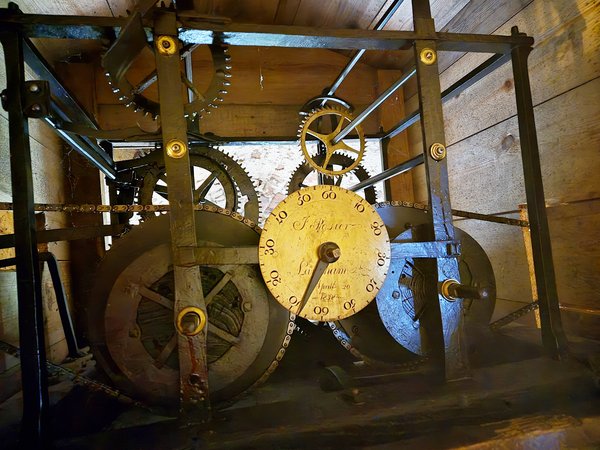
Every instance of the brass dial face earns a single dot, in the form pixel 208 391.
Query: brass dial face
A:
pixel 324 253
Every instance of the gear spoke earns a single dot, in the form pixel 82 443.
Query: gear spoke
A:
pixel 342 117
pixel 146 82
pixel 202 190
pixel 155 297
pixel 208 298
pixel 163 191
pixel 343 146
pixel 166 351
pixel 191 87
pixel 319 136
pixel 225 335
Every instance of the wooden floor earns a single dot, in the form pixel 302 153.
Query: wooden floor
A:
pixel 516 398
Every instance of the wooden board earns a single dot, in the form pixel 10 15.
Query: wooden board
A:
pixel 391 112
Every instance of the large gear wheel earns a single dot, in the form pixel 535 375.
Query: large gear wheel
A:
pixel 386 332
pixel 324 125
pixel 219 179
pixel 133 91
pixel 130 313
pixel 301 177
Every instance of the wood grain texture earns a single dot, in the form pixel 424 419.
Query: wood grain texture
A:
pixel 391 112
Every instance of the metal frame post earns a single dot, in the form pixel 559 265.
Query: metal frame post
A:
pixel 193 366
pixel 441 322
pixel 553 336
pixel 31 322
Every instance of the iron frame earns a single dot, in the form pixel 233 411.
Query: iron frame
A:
pixel 17 28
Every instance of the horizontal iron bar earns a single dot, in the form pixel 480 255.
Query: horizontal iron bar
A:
pixel 67 234
pixel 194 256
pixel 433 249
pixel 369 109
pixel 389 173
pixel 481 71
pixel 490 218
pixel 344 73
pixel 195 31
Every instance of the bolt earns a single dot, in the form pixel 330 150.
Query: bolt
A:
pixel 34 88
pixel 437 151
pixel 396 294
pixel 176 147
pixel 36 108
pixel 166 44
pixel 247 306
pixel 134 332
pixel 427 56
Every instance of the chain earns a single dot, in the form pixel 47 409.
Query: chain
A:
pixel 495 326
pixel 458 213
pixel 56 370
pixel 89 208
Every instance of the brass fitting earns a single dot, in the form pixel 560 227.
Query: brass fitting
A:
pixel 437 151
pixel 445 289
pixel 190 321
pixel 176 148
pixel 166 45
pixel 428 56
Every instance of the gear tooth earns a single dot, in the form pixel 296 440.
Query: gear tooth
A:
pixel 223 92
pixel 107 74
pixel 115 90
pixel 155 116
pixel 227 66
pixel 219 99
pixel 146 113
pixel 212 105
pixel 186 115
pixel 109 81
pixel 227 58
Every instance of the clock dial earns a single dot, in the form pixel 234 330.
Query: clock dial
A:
pixel 324 253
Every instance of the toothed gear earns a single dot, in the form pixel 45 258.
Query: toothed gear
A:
pixel 302 172
pixel 129 331
pixel 313 126
pixel 132 96
pixel 235 181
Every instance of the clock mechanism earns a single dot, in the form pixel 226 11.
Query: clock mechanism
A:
pixel 324 253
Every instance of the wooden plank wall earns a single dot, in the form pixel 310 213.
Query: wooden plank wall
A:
pixel 268 88
pixel 483 142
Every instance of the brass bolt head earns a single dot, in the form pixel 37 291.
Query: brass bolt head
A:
pixel 176 148
pixel 437 151
pixel 428 56
pixel 166 45
pixel 190 321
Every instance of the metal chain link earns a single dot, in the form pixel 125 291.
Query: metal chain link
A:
pixel 93 385
pixel 89 208
pixel 495 326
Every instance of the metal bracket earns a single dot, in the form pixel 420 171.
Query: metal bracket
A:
pixel 434 249
pixel 36 99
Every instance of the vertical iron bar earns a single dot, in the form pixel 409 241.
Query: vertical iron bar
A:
pixel 193 369
pixel 31 321
pixel 553 337
pixel 442 320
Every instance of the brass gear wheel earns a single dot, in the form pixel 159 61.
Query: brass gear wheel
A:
pixel 301 175
pixel 130 316
pixel 324 125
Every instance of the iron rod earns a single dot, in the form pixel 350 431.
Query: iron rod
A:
pixel 389 173
pixel 369 109
pixel 468 80
pixel 346 71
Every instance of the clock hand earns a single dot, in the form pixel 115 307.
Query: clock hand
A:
pixel 328 252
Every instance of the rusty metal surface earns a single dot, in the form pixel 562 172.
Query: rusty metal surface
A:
pixel 131 320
